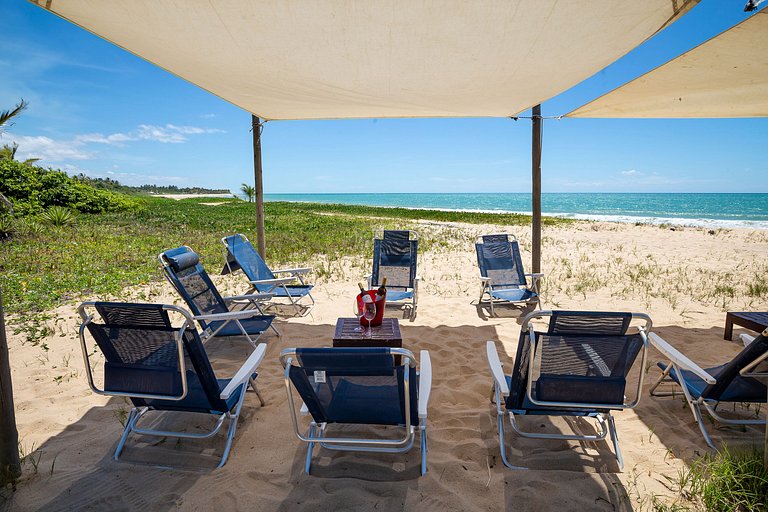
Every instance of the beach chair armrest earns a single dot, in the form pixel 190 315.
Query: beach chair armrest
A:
pixel 368 278
pixel 294 271
pixel 249 297
pixel 231 315
pixel 495 365
pixel 425 382
pixel 485 279
pixel 276 282
pixel 304 411
pixel 678 358
pixel 246 371
pixel 535 275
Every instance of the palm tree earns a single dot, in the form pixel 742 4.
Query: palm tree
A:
pixel 5 117
pixel 249 192
pixel 9 153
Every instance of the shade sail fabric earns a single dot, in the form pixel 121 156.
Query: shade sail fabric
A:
pixel 322 59
pixel 726 76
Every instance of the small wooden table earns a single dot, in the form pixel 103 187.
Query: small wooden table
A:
pixel 756 321
pixel 385 335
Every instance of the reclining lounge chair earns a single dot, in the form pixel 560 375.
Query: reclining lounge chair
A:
pixel 730 382
pixel 162 368
pixel 183 270
pixel 242 255
pixel 360 386
pixel 577 367
pixel 501 272
pixel 395 257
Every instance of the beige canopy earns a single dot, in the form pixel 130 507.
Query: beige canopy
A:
pixel 315 59
pixel 726 76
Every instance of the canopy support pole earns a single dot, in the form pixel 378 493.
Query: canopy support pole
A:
pixel 257 175
pixel 536 189
pixel 10 466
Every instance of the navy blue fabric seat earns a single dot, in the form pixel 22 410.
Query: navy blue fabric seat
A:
pixel 241 255
pixel 161 367
pixel 186 274
pixel 501 272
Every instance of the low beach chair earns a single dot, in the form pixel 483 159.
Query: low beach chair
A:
pixel 242 255
pixel 395 257
pixel 359 386
pixel 577 367
pixel 732 382
pixel 162 368
pixel 501 272
pixel 183 270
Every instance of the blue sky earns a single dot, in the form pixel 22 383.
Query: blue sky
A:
pixel 95 108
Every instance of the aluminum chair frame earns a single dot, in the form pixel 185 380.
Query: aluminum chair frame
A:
pixel 678 361
pixel 279 282
pixel 242 379
pixel 316 433
pixel 605 420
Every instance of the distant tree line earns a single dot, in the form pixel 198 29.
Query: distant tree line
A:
pixel 114 185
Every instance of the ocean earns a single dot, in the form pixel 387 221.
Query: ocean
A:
pixel 690 209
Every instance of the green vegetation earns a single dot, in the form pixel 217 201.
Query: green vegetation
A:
pixel 116 186
pixel 101 254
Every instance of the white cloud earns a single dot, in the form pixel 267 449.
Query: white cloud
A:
pixel 46 148
pixel 128 178
pixel 171 133
pixel 631 172
pixel 114 139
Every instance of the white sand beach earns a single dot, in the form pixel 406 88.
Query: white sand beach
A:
pixel 685 279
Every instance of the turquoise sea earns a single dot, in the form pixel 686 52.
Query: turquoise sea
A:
pixel 715 210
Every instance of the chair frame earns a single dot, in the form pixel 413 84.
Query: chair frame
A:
pixel 239 383
pixel 678 361
pixel 279 282
pixel 316 433
pixel 251 307
pixel 601 412
pixel 414 301
pixel 487 283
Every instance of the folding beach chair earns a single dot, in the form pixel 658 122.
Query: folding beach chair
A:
pixel 394 257
pixel 502 274
pixel 577 367
pixel 242 255
pixel 162 368
pixel 183 270
pixel 359 386
pixel 730 382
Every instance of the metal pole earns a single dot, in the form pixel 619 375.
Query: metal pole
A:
pixel 257 174
pixel 10 466
pixel 536 189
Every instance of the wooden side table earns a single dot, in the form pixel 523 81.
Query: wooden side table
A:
pixel 755 321
pixel 385 335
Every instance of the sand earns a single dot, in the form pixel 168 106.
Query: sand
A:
pixel 684 279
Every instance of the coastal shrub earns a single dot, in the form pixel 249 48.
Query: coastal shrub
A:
pixel 731 481
pixel 7 227
pixel 57 216
pixel 32 189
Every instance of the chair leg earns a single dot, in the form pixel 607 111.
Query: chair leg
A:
pixel 423 450
pixel 310 446
pixel 133 417
pixel 615 439
pixel 700 421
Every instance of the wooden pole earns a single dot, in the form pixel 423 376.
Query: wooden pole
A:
pixel 257 174
pixel 10 466
pixel 536 189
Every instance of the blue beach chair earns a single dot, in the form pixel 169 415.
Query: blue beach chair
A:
pixel 732 382
pixel 359 386
pixel 578 366
pixel 242 255
pixel 395 257
pixel 183 270
pixel 162 368
pixel 501 272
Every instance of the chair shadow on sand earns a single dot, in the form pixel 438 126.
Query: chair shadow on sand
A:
pixel 77 464
pixel 503 311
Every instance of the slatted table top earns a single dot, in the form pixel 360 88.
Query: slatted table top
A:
pixel 385 335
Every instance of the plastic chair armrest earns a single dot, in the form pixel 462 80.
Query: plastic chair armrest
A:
pixel 485 279
pixel 298 270
pixel 277 281
pixel 425 382
pixel 495 365
pixel 249 297
pixel 679 358
pixel 232 315
pixel 246 371
pixel 536 275
pixel 304 411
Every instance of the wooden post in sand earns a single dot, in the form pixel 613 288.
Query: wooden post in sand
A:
pixel 257 173
pixel 536 190
pixel 10 466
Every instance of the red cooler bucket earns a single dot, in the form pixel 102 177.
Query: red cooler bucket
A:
pixel 380 305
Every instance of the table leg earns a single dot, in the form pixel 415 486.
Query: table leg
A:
pixel 728 335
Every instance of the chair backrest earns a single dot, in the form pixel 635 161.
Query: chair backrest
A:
pixel 394 257
pixel 242 255
pixel 728 376
pixel 498 257
pixel 183 270
pixel 583 357
pixel 355 385
pixel 141 355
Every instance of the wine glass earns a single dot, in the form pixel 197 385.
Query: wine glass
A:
pixel 357 309
pixel 369 313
